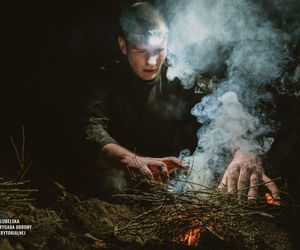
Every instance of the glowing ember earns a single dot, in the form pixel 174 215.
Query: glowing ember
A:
pixel 270 200
pixel 192 235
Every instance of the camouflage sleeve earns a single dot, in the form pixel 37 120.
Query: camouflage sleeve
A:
pixel 96 117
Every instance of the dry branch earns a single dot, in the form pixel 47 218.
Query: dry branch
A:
pixel 168 215
pixel 14 195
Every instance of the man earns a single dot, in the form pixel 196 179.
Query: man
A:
pixel 136 116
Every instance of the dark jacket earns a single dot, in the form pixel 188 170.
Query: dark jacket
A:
pixel 151 118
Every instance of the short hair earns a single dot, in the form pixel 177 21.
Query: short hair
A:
pixel 140 21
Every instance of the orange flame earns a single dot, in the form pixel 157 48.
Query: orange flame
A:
pixel 270 200
pixel 191 236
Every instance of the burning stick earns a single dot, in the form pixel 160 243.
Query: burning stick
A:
pixel 192 235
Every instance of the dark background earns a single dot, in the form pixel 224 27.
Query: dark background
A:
pixel 52 50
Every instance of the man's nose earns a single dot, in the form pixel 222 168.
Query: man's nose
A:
pixel 152 59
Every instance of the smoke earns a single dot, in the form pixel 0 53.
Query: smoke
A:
pixel 244 44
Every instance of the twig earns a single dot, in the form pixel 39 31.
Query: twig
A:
pixel 17 153
pixel 23 147
pixel 13 183
pixel 214 233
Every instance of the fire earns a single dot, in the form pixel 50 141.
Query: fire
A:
pixel 192 235
pixel 270 200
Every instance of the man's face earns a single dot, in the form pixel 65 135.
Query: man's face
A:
pixel 145 59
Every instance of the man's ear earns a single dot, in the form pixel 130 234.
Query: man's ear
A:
pixel 122 45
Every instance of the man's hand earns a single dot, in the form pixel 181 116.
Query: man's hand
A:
pixel 157 169
pixel 244 174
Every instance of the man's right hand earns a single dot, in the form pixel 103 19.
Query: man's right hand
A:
pixel 157 169
pixel 152 169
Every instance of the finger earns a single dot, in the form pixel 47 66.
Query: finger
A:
pixel 174 163
pixel 233 175
pixel 165 166
pixel 154 163
pixel 243 182
pixel 271 186
pixel 160 170
pixel 172 159
pixel 157 178
pixel 155 166
pixel 254 181
pixel 259 165
pixel 145 172
pixel 164 174
pixel 223 183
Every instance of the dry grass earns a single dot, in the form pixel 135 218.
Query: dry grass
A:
pixel 14 195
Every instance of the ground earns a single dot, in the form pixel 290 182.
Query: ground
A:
pixel 73 222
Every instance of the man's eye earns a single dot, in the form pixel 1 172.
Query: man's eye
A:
pixel 142 51
pixel 160 50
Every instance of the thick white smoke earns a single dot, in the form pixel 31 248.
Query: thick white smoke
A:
pixel 206 34
pixel 237 42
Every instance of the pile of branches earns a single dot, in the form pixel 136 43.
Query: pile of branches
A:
pixel 14 195
pixel 168 216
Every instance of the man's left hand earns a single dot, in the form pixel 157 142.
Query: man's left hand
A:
pixel 244 174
